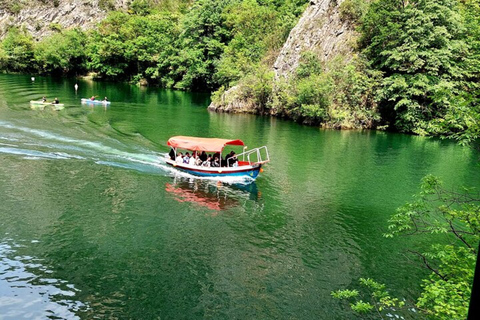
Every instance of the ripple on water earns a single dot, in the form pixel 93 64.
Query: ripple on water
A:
pixel 28 291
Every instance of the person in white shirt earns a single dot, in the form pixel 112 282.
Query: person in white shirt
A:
pixel 207 162
pixel 179 158
pixel 186 158
pixel 215 162
pixel 192 160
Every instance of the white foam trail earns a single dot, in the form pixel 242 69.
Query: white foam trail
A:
pixel 228 180
pixel 147 161
pixel 33 153
pixel 88 149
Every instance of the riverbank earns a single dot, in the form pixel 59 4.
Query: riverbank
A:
pixel 315 62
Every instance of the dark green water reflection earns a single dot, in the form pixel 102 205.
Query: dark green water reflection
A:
pixel 93 225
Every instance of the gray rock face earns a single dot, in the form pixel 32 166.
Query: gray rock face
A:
pixel 320 30
pixel 37 16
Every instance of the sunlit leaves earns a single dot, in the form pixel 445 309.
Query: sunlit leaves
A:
pixel 452 220
pixel 16 53
pixel 421 47
pixel 375 295
pixel 62 52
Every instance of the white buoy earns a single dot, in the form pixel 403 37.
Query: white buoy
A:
pixel 76 87
pixel 33 78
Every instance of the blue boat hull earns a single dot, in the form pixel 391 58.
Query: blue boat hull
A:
pixel 88 101
pixel 239 172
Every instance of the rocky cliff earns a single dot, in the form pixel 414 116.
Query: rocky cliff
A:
pixel 40 17
pixel 320 30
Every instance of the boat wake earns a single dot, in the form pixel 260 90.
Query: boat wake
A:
pixel 37 144
pixel 40 144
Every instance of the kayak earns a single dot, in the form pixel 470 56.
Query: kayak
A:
pixel 95 101
pixel 41 103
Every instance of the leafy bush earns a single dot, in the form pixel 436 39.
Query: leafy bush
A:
pixel 353 10
pixel 17 50
pixel 447 290
pixel 420 48
pixel 62 52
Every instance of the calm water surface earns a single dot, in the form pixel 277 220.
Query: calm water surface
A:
pixel 94 225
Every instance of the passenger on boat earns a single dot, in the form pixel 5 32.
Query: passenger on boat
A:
pixel 55 101
pixel 192 160
pixel 232 161
pixel 179 158
pixel 105 99
pixel 186 158
pixel 203 156
pixel 92 98
pixel 44 99
pixel 208 162
pixel 198 161
pixel 215 162
pixel 171 154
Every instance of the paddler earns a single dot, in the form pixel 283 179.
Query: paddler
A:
pixel 55 101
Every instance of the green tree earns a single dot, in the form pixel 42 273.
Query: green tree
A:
pixel 419 46
pixel 202 41
pixel 250 25
pixel 131 46
pixel 451 217
pixel 463 122
pixel 62 52
pixel 17 51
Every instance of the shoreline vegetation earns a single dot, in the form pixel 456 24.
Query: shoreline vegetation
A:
pixel 415 65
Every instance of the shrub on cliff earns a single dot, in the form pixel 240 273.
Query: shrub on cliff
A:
pixel 343 96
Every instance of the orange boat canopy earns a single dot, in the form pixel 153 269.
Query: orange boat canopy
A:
pixel 202 144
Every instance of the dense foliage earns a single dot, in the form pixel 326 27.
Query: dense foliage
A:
pixel 342 96
pixel 416 70
pixel 451 217
pixel 190 45
pixel 421 48
pixel 416 67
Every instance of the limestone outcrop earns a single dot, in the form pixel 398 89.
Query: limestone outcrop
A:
pixel 320 30
pixel 41 17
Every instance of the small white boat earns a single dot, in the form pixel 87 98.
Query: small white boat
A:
pixel 90 101
pixel 41 103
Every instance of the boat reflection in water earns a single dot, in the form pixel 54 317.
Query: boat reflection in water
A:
pixel 214 195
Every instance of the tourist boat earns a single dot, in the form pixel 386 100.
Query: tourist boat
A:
pixel 41 103
pixel 90 101
pixel 249 162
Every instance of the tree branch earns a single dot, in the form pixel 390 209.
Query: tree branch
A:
pixel 427 265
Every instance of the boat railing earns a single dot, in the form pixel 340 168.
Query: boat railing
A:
pixel 254 156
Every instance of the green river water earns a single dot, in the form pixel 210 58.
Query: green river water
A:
pixel 93 225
